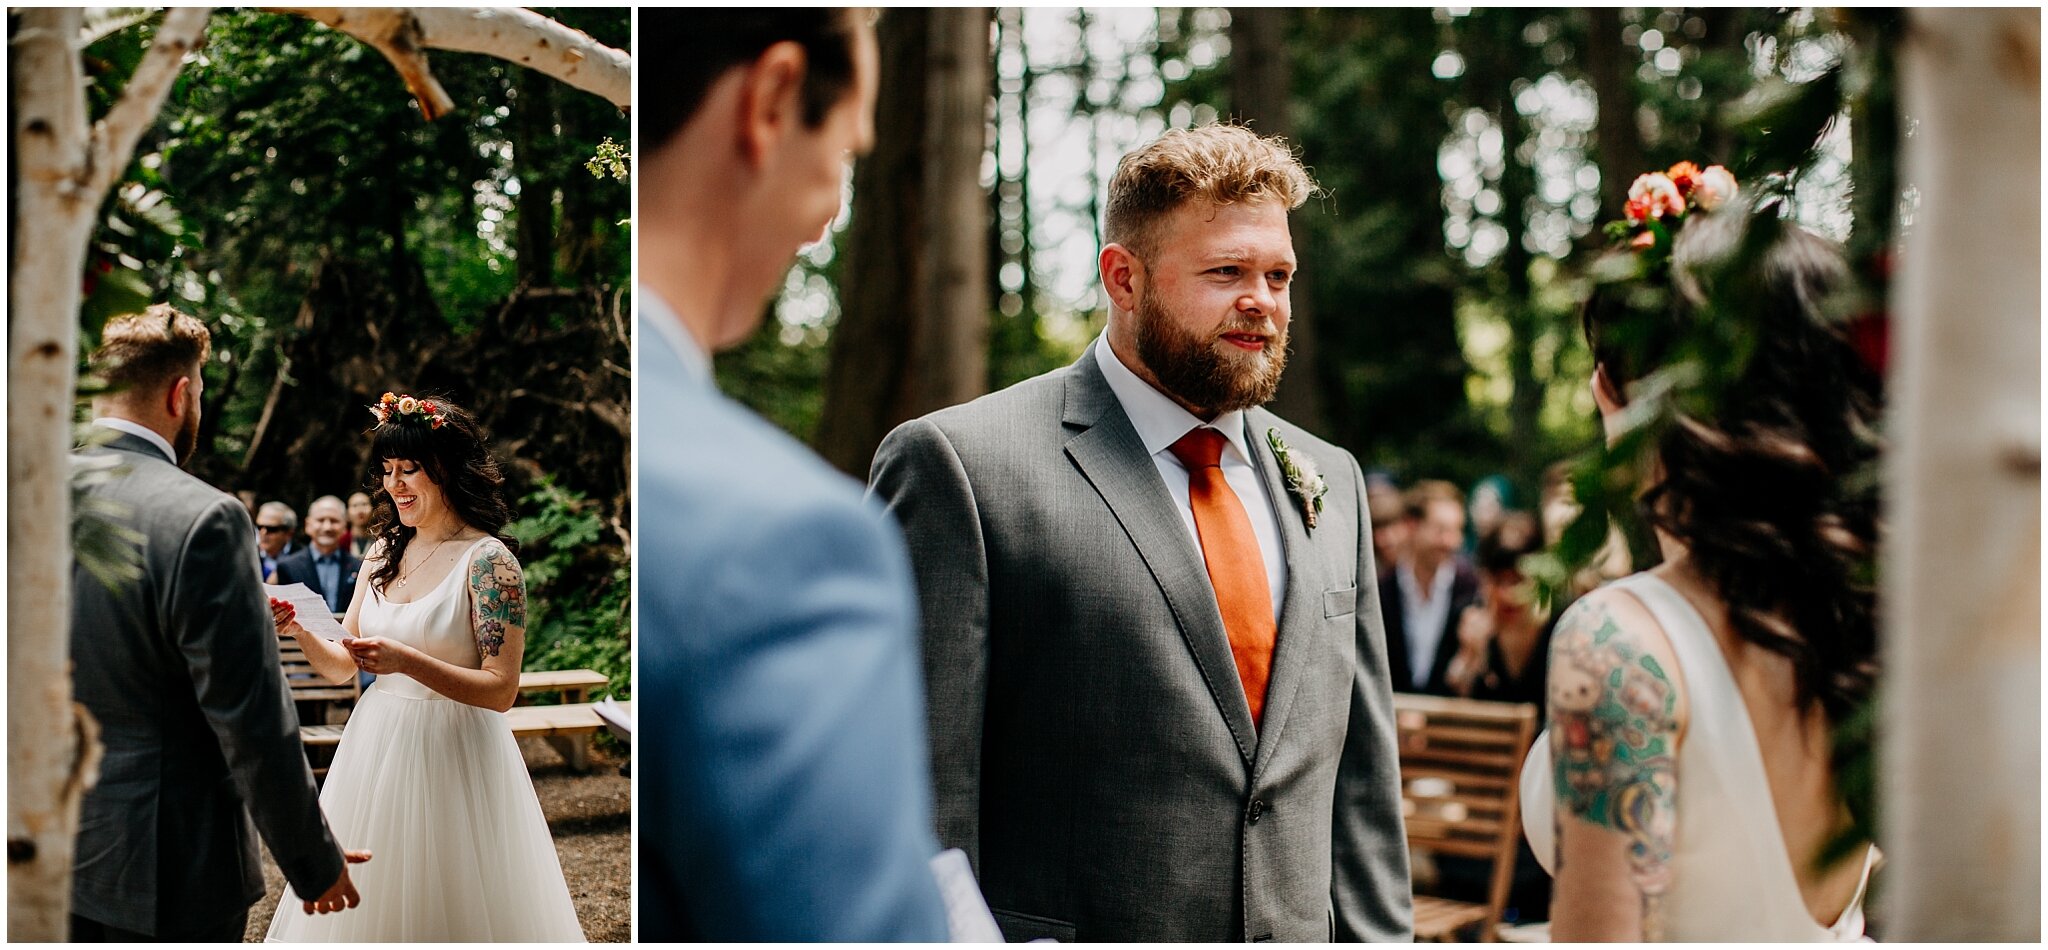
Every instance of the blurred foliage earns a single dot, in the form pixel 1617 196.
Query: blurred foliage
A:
pixel 578 590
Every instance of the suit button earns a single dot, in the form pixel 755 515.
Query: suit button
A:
pixel 1254 813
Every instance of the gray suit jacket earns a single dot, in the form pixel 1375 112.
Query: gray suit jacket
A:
pixel 1091 743
pixel 180 668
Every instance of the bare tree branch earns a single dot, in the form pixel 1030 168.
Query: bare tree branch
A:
pixel 514 35
pixel 114 137
pixel 394 32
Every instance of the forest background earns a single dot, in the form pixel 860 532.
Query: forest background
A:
pixel 1469 157
pixel 337 245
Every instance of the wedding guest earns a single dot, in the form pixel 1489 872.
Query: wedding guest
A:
pixel 180 671
pixel 1503 639
pixel 782 758
pixel 359 535
pixel 1158 683
pixel 323 564
pixel 1688 786
pixel 1503 651
pixel 276 525
pixel 1390 528
pixel 1428 590
pixel 1491 498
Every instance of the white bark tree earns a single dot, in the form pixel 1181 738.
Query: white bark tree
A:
pixel 1961 754
pixel 65 166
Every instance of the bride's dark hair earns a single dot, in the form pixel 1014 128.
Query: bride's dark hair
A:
pixel 1772 489
pixel 457 458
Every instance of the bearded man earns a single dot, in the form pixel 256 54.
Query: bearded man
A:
pixel 1157 682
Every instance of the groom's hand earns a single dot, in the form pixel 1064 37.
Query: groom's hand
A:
pixel 342 894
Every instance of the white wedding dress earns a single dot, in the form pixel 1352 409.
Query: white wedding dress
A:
pixel 437 791
pixel 1731 877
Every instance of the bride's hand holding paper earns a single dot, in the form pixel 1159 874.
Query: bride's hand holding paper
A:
pixel 380 655
pixel 308 611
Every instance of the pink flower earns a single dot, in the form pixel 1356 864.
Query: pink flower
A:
pixel 1643 240
pixel 1654 196
pixel 1716 186
pixel 1685 175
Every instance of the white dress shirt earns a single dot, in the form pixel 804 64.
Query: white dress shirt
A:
pixel 136 428
pixel 1424 618
pixel 1160 423
pixel 669 328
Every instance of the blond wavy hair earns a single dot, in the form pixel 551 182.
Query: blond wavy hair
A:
pixel 1219 164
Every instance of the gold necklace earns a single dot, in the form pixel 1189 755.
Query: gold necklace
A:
pixel 422 562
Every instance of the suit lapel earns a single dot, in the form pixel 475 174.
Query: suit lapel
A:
pixel 1113 459
pixel 1301 612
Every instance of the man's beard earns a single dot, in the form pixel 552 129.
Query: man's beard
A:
pixel 1200 369
pixel 188 439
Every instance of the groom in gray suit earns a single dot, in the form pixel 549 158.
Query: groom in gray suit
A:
pixel 1158 688
pixel 179 667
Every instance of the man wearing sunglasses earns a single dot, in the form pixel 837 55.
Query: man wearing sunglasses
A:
pixel 276 522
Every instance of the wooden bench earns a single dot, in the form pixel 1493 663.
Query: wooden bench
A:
pixel 567 727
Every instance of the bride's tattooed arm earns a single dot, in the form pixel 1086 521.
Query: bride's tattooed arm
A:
pixel 1613 731
pixel 499 592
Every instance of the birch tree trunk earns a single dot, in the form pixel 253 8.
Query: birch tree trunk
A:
pixel 1961 747
pixel 64 169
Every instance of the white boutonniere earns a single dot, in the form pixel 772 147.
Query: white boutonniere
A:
pixel 1304 481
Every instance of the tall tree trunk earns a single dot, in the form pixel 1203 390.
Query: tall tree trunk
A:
pixel 913 326
pixel 533 123
pixel 1610 68
pixel 1499 49
pixel 1962 719
pixel 1261 94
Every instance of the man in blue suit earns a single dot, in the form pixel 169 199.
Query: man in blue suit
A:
pixel 783 765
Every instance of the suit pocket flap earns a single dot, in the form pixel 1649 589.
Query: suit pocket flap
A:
pixel 1023 928
pixel 1337 603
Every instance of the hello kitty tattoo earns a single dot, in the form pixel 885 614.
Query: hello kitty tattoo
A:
pixel 1613 733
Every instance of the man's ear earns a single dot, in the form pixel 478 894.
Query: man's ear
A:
pixel 1605 395
pixel 771 100
pixel 1123 276
pixel 175 398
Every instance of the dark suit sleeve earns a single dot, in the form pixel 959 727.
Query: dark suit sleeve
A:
pixel 919 477
pixel 1369 879
pixel 219 621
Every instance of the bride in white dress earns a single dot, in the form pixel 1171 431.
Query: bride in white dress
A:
pixel 1685 788
pixel 428 777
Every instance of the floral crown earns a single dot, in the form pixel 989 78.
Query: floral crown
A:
pixel 395 407
pixel 1659 201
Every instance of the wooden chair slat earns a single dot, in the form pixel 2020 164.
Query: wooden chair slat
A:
pixel 1460 771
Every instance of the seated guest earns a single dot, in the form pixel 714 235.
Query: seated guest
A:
pixel 1504 639
pixel 359 535
pixel 1428 590
pixel 1389 521
pixel 1503 650
pixel 324 564
pixel 276 522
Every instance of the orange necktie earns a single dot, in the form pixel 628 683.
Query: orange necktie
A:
pixel 1236 569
